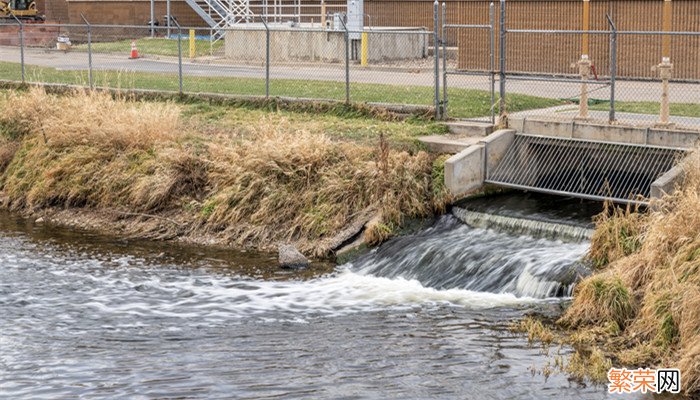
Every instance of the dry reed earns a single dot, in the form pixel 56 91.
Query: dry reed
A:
pixel 649 282
pixel 256 186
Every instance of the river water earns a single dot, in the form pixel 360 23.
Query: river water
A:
pixel 93 317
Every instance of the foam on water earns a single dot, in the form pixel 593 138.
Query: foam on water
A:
pixel 448 264
pixel 452 255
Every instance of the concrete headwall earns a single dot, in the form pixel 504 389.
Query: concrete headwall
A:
pixel 666 183
pixel 667 137
pixel 466 170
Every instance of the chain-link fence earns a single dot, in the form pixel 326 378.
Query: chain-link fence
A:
pixel 492 62
pixel 259 59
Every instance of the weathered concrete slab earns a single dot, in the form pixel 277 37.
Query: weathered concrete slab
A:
pixel 673 138
pixel 496 146
pixel 666 183
pixel 447 144
pixel 464 171
pixel 666 137
pixel 609 133
pixel 548 128
pixel 468 128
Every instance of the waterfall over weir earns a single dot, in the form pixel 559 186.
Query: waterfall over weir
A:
pixel 496 254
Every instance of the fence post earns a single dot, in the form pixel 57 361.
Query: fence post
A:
pixel 436 56
pixel 152 22
pixel 21 43
pixel 89 43
pixel 267 58
pixel 492 59
pixel 444 61
pixel 179 51
pixel 613 67
pixel 347 62
pixel 502 62
pixel 179 56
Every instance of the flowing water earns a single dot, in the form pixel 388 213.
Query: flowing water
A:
pixel 425 316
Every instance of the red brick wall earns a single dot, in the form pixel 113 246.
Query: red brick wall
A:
pixel 136 12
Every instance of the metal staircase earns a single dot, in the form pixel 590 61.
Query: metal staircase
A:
pixel 220 14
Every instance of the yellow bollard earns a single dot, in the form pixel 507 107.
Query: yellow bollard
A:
pixel 192 45
pixel 365 49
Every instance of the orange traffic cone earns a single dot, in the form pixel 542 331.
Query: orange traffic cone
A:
pixel 134 51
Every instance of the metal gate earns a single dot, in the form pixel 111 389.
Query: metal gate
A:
pixel 472 74
pixel 583 168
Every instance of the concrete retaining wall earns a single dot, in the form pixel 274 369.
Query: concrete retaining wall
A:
pixel 329 46
pixel 667 182
pixel 466 170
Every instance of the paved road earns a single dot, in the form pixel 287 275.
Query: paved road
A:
pixel 626 91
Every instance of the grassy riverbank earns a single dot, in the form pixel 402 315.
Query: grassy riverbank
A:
pixel 641 307
pixel 213 174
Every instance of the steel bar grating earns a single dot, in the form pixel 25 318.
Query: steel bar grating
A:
pixel 579 168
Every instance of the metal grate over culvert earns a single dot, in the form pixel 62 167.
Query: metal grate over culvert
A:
pixel 594 170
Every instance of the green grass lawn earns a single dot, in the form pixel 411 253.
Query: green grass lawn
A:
pixel 154 46
pixel 464 103
pixel 648 107
pixel 345 127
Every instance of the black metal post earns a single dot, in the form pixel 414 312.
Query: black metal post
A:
pixel 436 54
pixel 179 51
pixel 267 58
pixel 89 43
pixel 502 63
pixel 21 43
pixel 613 67
pixel 444 61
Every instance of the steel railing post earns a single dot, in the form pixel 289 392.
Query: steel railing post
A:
pixel 267 58
pixel 502 63
pixel 152 22
pixel 436 56
pixel 347 62
pixel 89 44
pixel 613 66
pixel 179 56
pixel 21 44
pixel 492 59
pixel 444 61
pixel 167 12
pixel 179 52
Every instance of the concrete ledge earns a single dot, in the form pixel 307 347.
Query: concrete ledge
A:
pixel 547 128
pixel 666 183
pixel 660 137
pixel 445 144
pixel 607 133
pixel 469 128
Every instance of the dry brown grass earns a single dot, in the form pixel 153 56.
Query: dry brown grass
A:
pixel 8 148
pixel 649 282
pixel 254 185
